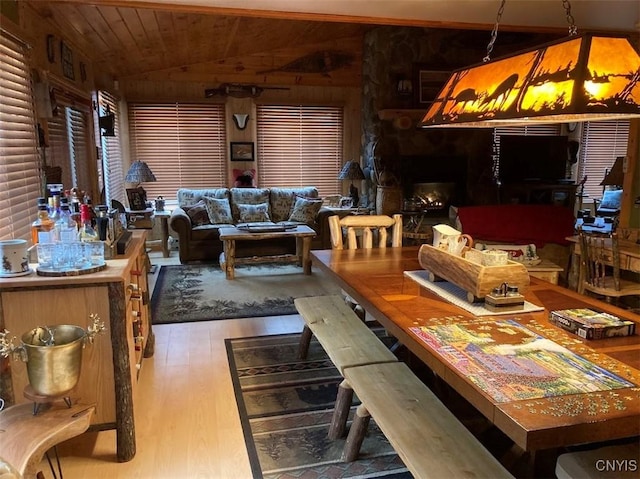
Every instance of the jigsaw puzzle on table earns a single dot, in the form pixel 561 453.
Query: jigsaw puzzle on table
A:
pixel 510 362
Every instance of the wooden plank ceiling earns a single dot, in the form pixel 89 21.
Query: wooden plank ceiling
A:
pixel 163 44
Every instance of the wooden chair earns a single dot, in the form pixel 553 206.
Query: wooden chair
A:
pixel 360 230
pixel 363 227
pixel 600 267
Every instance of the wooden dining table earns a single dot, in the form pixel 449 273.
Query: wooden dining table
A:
pixel 376 279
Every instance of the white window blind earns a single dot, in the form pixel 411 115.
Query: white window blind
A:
pixel 78 144
pixel 601 143
pixel 57 151
pixel 19 160
pixel 183 144
pixel 112 169
pixel 67 147
pixel 300 146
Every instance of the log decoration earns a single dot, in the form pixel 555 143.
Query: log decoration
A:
pixel 477 280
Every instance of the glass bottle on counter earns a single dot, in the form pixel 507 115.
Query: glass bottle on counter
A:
pixel 42 229
pixel 66 227
pixel 102 221
pixel 74 206
pixel 54 206
pixel 86 233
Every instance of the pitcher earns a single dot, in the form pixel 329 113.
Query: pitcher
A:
pixel 442 234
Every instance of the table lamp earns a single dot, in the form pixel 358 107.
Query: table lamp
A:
pixel 615 175
pixel 352 171
pixel 139 172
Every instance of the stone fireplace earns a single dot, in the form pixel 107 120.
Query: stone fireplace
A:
pixel 390 139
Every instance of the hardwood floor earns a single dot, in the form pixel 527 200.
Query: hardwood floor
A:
pixel 187 423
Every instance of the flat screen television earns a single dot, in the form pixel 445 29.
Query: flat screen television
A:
pixel 533 158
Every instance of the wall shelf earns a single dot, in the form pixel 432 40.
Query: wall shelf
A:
pixel 393 114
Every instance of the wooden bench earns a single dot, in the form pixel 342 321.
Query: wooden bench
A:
pixel 347 341
pixel 429 439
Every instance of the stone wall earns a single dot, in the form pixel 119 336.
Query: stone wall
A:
pixel 421 155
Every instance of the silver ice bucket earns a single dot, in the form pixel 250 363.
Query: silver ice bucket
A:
pixel 53 355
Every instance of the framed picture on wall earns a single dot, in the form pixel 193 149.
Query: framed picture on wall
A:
pixel 428 83
pixel 66 57
pixel 242 151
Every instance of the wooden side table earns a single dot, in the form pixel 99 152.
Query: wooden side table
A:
pixel 419 238
pixel 546 271
pixel 140 219
pixel 25 437
pixel 164 223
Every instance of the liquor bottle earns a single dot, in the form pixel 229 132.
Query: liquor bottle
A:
pixel 92 211
pixel 102 221
pixel 86 233
pixel 66 228
pixel 74 206
pixel 54 206
pixel 42 228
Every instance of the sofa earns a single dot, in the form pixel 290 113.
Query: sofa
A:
pixel 540 230
pixel 202 212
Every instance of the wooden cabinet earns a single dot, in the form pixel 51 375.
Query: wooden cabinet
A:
pixel 539 193
pixel 110 366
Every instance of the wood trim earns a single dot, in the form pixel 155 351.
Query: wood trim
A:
pixel 630 189
pixel 322 17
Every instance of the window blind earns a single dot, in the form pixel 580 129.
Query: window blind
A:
pixel 300 146
pixel 67 147
pixel 19 159
pixel 77 130
pixel 183 144
pixel 112 170
pixel 601 143
pixel 57 150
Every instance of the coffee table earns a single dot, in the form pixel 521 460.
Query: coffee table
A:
pixel 229 235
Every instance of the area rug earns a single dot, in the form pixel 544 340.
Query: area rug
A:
pixel 201 292
pixel 285 407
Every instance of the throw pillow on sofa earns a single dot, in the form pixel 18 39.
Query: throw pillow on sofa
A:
pixel 282 200
pixel 246 196
pixel 219 210
pixel 305 210
pixel 198 214
pixel 254 213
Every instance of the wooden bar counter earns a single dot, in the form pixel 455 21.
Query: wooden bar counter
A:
pixel 375 279
pixel 110 366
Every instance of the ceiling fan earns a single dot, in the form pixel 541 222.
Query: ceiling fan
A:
pixel 238 90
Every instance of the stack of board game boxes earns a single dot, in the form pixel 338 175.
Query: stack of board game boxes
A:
pixel 590 324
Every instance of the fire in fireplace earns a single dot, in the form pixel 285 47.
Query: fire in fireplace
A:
pixel 434 196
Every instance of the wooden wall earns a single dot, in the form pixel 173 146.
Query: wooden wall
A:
pixel 45 49
pixel 186 84
pixel 348 97
pixel 35 29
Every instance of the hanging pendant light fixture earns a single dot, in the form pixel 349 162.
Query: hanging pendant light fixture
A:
pixel 580 78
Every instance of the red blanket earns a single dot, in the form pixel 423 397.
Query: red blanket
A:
pixel 518 224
